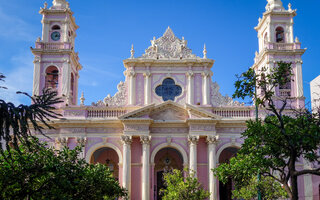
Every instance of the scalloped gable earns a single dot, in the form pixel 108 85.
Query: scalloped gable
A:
pixel 170 110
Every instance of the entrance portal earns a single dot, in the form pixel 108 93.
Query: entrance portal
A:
pixel 166 160
pixel 108 157
pixel 225 190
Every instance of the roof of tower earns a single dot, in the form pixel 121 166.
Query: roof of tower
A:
pixel 60 4
pixel 274 5
pixel 168 46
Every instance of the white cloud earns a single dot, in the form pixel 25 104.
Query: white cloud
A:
pixel 18 79
pixel 15 28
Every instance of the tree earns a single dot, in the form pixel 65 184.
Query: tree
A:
pixel 179 187
pixel 276 144
pixel 38 172
pixel 29 170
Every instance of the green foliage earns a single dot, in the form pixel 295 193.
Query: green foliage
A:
pixel 243 170
pixel 179 187
pixel 269 188
pixel 15 121
pixel 274 145
pixel 38 172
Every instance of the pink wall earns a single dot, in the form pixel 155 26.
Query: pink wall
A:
pixel 202 156
pixel 136 169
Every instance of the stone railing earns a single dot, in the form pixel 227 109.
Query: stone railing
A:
pixel 106 113
pixel 283 46
pixel 89 112
pixel 53 46
pixel 234 112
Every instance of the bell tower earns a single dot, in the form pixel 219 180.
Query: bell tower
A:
pixel 277 43
pixel 56 64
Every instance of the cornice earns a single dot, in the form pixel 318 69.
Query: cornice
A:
pixel 266 14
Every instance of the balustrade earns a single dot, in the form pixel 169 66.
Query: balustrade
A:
pixel 233 113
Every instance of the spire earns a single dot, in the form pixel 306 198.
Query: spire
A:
pixel 204 52
pixel 132 52
pixel 60 4
pixel 82 99
pixel 274 5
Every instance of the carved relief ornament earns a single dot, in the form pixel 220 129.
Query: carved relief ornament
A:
pixel 213 139
pixel 126 139
pixel 145 139
pixel 193 139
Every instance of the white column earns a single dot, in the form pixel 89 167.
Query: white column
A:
pixel 145 140
pixel 147 88
pixel 126 166
pixel 193 140
pixel 212 143
pixel 65 31
pixel 299 83
pixel 190 97
pixel 45 31
pixel 36 76
pixel 206 88
pixel 132 93
pixel 66 78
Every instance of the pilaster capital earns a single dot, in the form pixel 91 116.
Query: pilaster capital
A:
pixel 130 73
pixel 190 74
pixel 193 140
pixel 66 60
pixel 62 140
pixel 37 59
pixel 212 139
pixel 144 139
pixel 206 74
pixel 147 74
pixel 126 139
pixel 81 140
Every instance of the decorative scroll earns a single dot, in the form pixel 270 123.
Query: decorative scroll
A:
pixel 168 46
pixel 218 100
pixel 119 99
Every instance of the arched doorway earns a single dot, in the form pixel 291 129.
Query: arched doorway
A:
pixel 108 157
pixel 165 160
pixel 225 190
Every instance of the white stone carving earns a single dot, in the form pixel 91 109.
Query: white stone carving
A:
pixel 119 99
pixel 168 46
pixel 218 100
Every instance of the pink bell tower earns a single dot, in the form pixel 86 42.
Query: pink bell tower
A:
pixel 56 64
pixel 277 43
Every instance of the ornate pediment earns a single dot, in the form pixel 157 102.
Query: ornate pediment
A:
pixel 168 46
pixel 218 100
pixel 119 99
pixel 169 114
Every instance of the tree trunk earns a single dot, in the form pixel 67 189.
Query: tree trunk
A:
pixel 294 187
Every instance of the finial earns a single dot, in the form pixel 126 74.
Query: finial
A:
pixel 289 7
pixel 132 52
pixel 82 99
pixel 45 5
pixel 38 39
pixel 257 54
pixel 297 40
pixel 204 52
pixel 259 19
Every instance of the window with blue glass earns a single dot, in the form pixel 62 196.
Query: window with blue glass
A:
pixel 168 90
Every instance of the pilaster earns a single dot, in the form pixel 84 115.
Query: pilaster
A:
pixel 193 140
pixel 36 76
pixel 145 140
pixel 147 88
pixel 190 76
pixel 132 85
pixel 126 166
pixel 212 145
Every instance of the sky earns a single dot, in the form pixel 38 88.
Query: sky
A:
pixel 109 27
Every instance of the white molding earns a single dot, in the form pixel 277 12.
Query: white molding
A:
pixel 171 145
pixel 100 145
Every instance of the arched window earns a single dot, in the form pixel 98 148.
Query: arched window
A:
pixel 72 87
pixel 52 77
pixel 56 27
pixel 279 35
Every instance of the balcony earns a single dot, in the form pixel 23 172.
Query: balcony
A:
pixel 283 46
pixel 53 46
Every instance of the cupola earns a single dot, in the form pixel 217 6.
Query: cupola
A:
pixel 60 4
pixel 274 5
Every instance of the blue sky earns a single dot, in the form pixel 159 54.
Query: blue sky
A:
pixel 109 27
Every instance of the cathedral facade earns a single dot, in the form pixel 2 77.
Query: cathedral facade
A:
pixel 168 113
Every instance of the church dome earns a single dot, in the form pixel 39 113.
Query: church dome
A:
pixel 274 5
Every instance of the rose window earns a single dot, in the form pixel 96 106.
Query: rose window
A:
pixel 168 90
